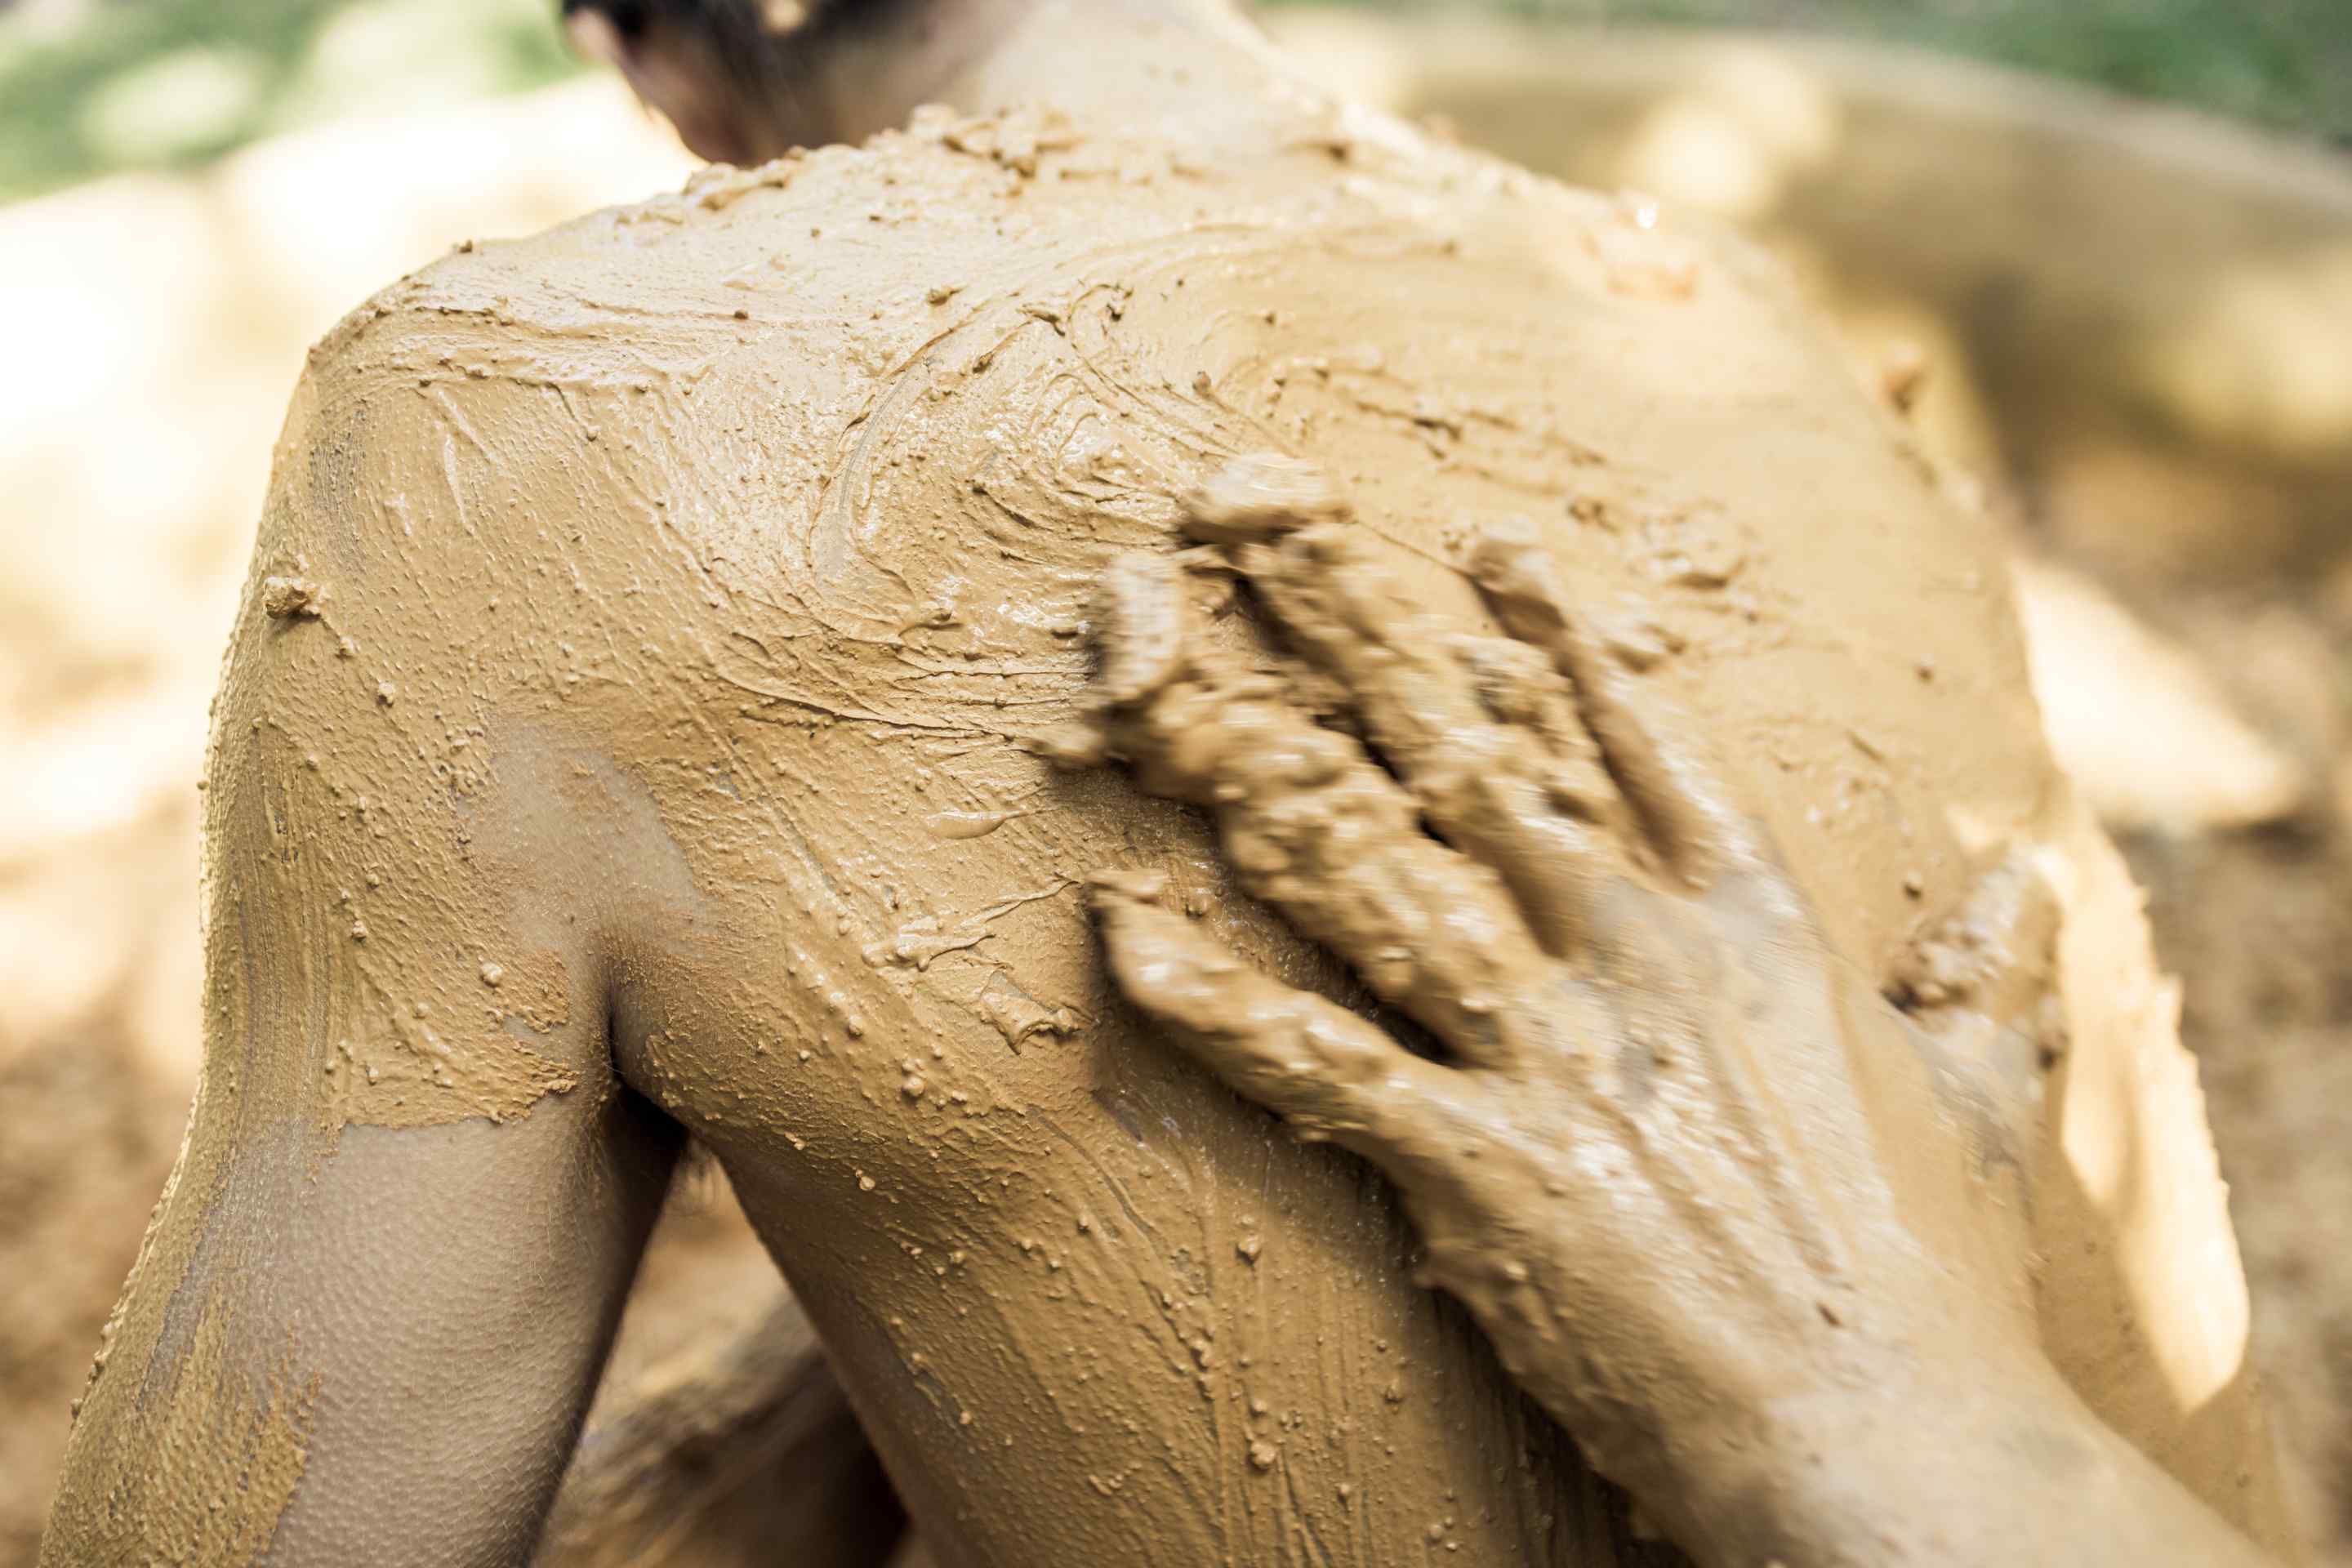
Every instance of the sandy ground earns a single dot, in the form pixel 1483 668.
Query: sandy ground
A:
pixel 158 323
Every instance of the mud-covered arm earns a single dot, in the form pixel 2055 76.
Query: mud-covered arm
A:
pixel 1744 1218
pixel 377 1295
pixel 1951 1461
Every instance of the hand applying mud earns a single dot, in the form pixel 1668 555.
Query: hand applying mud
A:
pixel 1643 1155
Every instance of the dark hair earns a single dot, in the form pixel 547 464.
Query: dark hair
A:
pixel 732 33
pixel 732 26
pixel 753 74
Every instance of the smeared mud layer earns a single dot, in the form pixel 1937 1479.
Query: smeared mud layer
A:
pixel 224 1463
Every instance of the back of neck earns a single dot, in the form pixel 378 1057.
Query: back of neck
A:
pixel 1185 68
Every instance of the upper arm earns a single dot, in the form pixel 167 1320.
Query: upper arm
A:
pixel 376 1296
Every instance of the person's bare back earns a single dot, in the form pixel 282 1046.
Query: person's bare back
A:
pixel 638 725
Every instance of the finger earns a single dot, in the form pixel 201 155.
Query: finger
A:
pixel 1322 1068
pixel 1977 986
pixel 1664 776
pixel 1490 748
pixel 1312 826
pixel 1138 625
pixel 1258 496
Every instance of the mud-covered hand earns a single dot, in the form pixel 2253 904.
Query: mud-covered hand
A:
pixel 1640 1151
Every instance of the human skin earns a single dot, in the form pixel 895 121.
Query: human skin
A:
pixel 1641 1156
pixel 637 725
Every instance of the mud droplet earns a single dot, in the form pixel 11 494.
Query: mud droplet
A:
pixel 285 596
pixel 966 824
pixel 1903 375
pixel 1263 1455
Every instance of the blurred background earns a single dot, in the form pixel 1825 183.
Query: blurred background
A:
pixel 2105 245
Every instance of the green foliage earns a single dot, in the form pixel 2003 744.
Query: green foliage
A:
pixel 2286 62
pixel 165 83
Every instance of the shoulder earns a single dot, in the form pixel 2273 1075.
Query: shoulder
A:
pixel 504 478
pixel 588 356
